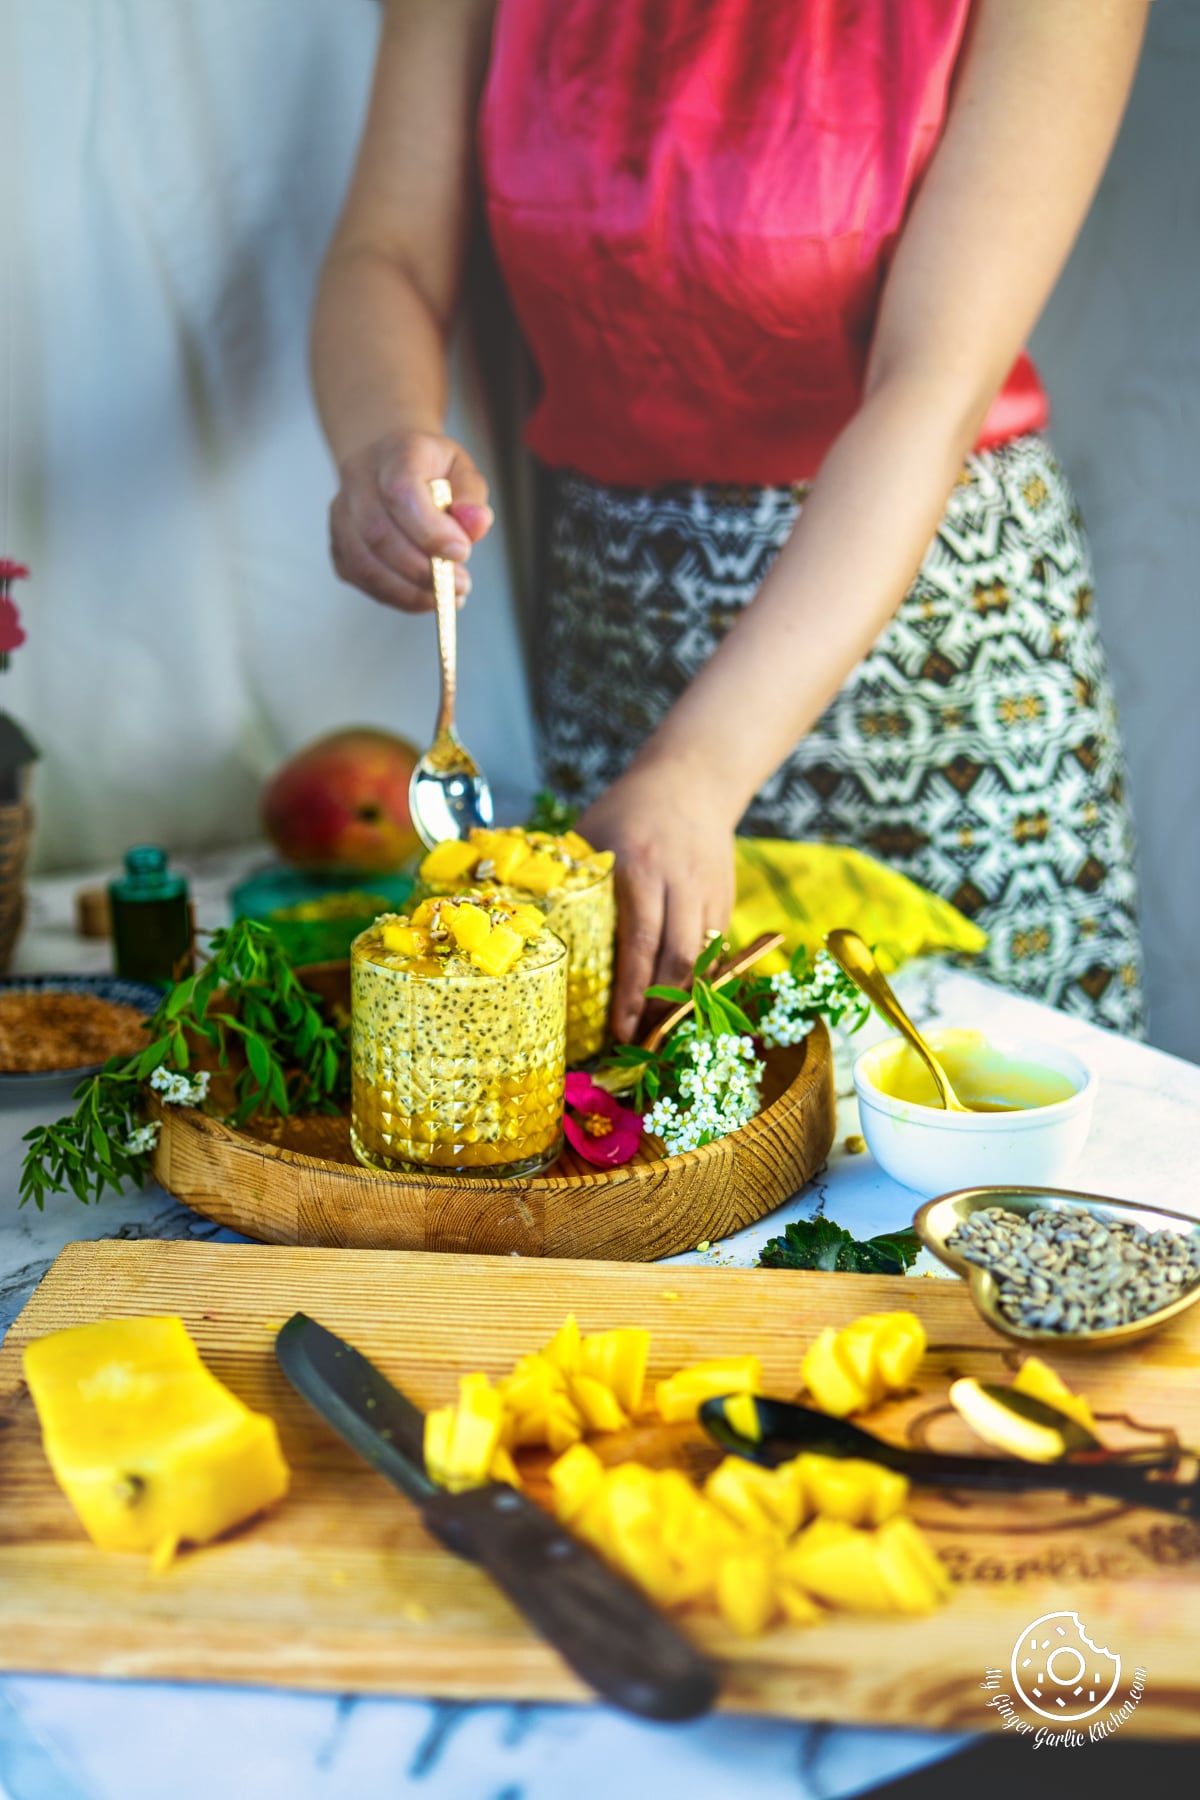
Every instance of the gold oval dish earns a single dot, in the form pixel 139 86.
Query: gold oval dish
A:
pixel 934 1222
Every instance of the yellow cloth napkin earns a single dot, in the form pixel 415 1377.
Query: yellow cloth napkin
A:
pixel 805 890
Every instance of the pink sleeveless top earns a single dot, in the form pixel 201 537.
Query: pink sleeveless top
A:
pixel 693 203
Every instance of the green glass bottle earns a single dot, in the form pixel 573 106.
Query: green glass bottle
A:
pixel 151 919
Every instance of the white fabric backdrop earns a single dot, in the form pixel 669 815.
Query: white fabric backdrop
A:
pixel 169 172
pixel 181 166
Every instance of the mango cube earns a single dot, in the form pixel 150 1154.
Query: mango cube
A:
pixel 903 1560
pixel 563 1350
pixel 500 951
pixel 599 1405
pixel 148 1446
pixel 404 940
pixel 537 873
pixel 746 1592
pixel 618 1358
pixel 860 1492
pixel 573 1478
pixel 830 1382
pixel 842 1572
pixel 469 925
pixel 680 1396
pixel 449 860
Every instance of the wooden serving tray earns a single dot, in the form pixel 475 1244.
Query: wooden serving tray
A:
pixel 296 1181
pixel 340 1588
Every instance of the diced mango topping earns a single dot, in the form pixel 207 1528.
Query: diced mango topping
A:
pixel 148 1446
pixel 535 862
pixel 849 1370
pixel 489 928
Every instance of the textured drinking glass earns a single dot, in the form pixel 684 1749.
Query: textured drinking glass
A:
pixel 458 1072
pixel 585 918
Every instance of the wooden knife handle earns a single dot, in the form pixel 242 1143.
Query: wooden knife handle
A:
pixel 613 1638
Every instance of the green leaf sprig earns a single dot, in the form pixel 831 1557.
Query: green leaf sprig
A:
pixel 822 1244
pixel 246 998
pixel 551 814
pixel 739 1007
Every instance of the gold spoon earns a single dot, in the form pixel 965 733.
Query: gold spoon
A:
pixel 448 795
pixel 855 960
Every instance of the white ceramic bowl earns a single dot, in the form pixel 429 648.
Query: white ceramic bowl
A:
pixel 935 1152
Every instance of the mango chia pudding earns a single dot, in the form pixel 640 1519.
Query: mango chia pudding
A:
pixel 458 1037
pixel 574 886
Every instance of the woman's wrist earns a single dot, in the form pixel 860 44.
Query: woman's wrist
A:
pixel 683 760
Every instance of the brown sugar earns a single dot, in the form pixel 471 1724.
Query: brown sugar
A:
pixel 53 1030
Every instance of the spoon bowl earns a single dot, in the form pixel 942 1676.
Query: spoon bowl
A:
pixel 448 794
pixel 855 960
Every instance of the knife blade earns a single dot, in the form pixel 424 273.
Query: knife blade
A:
pixel 605 1629
pixel 1139 1479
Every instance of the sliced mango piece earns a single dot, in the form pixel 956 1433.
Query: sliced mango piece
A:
pixel 449 860
pixel 575 846
pixel 573 1478
pixel 900 1346
pixel 618 1358
pixel 563 1350
pixel 427 912
pixel 996 1424
pixel 527 919
pixel 1038 1379
pixel 827 1379
pixel 503 1468
pixel 731 1487
pixel 841 1572
pixel 860 1492
pixel 798 1608
pixel 599 1405
pixel 742 1414
pixel 746 1592
pixel 439 1429
pixel 903 1560
pixel 855 1348
pixel 148 1446
pixel 680 1396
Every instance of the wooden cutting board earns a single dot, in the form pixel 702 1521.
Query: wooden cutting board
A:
pixel 341 1589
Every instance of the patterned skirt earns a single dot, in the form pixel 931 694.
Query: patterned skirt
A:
pixel 975 748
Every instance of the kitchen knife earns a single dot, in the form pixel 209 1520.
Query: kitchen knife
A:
pixel 605 1629
pixel 1143 1478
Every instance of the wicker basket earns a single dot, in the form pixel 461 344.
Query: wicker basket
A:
pixel 16 823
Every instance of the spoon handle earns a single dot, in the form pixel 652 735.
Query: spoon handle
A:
pixel 447 620
pixel 855 960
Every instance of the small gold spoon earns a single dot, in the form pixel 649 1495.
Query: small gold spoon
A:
pixel 855 960
pixel 448 795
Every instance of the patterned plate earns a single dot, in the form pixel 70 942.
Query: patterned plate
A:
pixel 103 987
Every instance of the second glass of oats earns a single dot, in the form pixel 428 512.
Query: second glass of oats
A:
pixel 458 1039
pixel 572 883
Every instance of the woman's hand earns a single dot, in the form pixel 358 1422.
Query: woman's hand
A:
pixel 384 526
pixel 674 874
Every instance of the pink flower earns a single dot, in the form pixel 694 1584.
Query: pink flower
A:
pixel 604 1132
pixel 12 571
pixel 12 634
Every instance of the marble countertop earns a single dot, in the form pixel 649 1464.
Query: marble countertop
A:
pixel 67 1739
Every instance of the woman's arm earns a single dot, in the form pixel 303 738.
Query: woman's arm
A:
pixel 1040 93
pixel 386 299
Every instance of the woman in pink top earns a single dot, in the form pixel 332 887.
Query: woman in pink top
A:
pixel 810 566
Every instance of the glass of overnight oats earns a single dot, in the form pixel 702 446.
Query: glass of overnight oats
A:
pixel 572 883
pixel 458 1036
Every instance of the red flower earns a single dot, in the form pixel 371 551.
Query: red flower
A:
pixel 12 571
pixel 12 636
pixel 604 1132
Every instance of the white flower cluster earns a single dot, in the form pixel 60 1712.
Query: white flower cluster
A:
pixel 718 1092
pixel 798 1004
pixel 142 1140
pixel 177 1090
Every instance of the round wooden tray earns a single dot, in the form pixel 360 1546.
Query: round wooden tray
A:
pixel 296 1181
